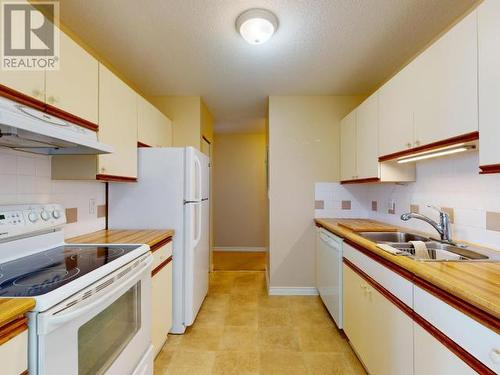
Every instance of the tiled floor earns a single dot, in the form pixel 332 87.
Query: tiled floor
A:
pixel 241 330
pixel 239 261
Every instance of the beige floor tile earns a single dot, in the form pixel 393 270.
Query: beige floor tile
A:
pixel 236 363
pixel 184 358
pixel 327 364
pixel 242 330
pixel 236 316
pixel 282 363
pixel 278 339
pixel 266 301
pixel 237 338
pixel 274 317
pixel 202 338
pixel 321 339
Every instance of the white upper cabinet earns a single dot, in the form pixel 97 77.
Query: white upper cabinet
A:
pixel 489 82
pixel 396 103
pixel 367 165
pixel 446 85
pixel 26 82
pixel 154 128
pixel 74 87
pixel 117 125
pixel 348 147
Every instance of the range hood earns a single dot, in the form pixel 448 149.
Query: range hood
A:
pixel 26 129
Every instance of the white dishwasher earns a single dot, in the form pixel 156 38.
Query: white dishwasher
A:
pixel 329 272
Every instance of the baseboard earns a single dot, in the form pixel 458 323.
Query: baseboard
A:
pixel 293 291
pixel 242 249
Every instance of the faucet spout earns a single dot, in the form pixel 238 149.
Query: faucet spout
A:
pixel 443 227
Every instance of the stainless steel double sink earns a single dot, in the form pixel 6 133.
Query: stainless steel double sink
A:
pixel 436 251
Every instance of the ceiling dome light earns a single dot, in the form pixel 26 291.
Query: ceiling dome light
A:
pixel 257 26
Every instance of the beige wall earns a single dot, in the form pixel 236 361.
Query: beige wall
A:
pixel 240 190
pixel 185 113
pixel 303 149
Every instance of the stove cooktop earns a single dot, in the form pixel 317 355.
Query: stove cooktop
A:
pixel 43 272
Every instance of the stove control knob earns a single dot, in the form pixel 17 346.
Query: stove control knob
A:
pixel 45 215
pixel 33 217
pixel 56 214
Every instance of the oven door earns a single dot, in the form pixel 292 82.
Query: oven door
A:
pixel 105 329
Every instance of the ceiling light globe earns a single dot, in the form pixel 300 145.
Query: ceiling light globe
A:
pixel 257 26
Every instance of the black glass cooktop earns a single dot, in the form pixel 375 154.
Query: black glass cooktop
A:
pixel 41 273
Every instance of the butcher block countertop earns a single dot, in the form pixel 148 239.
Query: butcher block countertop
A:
pixel 154 238
pixel 13 308
pixel 476 283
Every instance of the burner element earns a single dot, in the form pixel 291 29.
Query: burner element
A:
pixel 45 277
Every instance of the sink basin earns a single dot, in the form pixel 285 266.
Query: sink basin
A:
pixel 442 252
pixel 392 237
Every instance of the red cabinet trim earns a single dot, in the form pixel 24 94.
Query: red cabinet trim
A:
pixel 360 181
pixel 161 266
pixel 469 137
pixel 24 99
pixel 491 168
pixel 113 178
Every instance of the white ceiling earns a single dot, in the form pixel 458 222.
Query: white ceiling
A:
pixel 191 47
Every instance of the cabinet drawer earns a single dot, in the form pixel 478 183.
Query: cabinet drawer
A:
pixel 14 355
pixel 161 255
pixel 479 341
pixel 397 285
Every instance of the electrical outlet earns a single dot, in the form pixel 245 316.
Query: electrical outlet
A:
pixel 92 206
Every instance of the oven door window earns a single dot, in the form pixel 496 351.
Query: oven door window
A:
pixel 101 339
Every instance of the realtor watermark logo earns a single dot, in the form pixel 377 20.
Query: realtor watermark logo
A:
pixel 30 35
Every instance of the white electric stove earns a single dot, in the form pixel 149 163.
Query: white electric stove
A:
pixel 93 301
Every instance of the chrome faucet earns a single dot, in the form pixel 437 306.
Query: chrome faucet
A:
pixel 443 227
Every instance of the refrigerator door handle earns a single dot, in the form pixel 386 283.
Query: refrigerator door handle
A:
pixel 197 236
pixel 197 164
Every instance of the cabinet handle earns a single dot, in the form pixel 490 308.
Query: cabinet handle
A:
pixel 408 145
pixel 495 356
pixel 417 143
pixel 52 100
pixel 37 93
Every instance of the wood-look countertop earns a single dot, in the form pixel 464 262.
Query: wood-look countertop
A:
pixel 153 238
pixel 477 283
pixel 13 308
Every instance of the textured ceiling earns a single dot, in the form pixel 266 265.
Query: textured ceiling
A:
pixel 322 47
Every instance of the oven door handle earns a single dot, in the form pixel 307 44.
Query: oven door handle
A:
pixel 51 320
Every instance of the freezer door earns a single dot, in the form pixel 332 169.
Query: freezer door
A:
pixel 196 258
pixel 197 175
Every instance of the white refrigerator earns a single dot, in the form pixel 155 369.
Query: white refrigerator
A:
pixel 171 193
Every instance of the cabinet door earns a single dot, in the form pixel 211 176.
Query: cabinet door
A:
pixel 117 125
pixel 74 87
pixel 161 319
pixel 396 102
pixel 355 312
pixel 14 355
pixel 489 81
pixel 367 138
pixel 432 357
pixel 348 147
pixel 390 337
pixel 446 94
pixel 26 82
pixel 154 128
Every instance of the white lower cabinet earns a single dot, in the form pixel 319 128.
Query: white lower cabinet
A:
pixel 161 295
pixel 14 355
pixel 381 334
pixel 432 357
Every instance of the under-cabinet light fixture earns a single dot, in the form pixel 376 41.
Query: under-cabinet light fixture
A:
pixel 449 150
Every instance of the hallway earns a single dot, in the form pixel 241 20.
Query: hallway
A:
pixel 241 330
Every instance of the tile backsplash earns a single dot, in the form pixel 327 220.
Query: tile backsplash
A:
pixel 449 182
pixel 25 178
